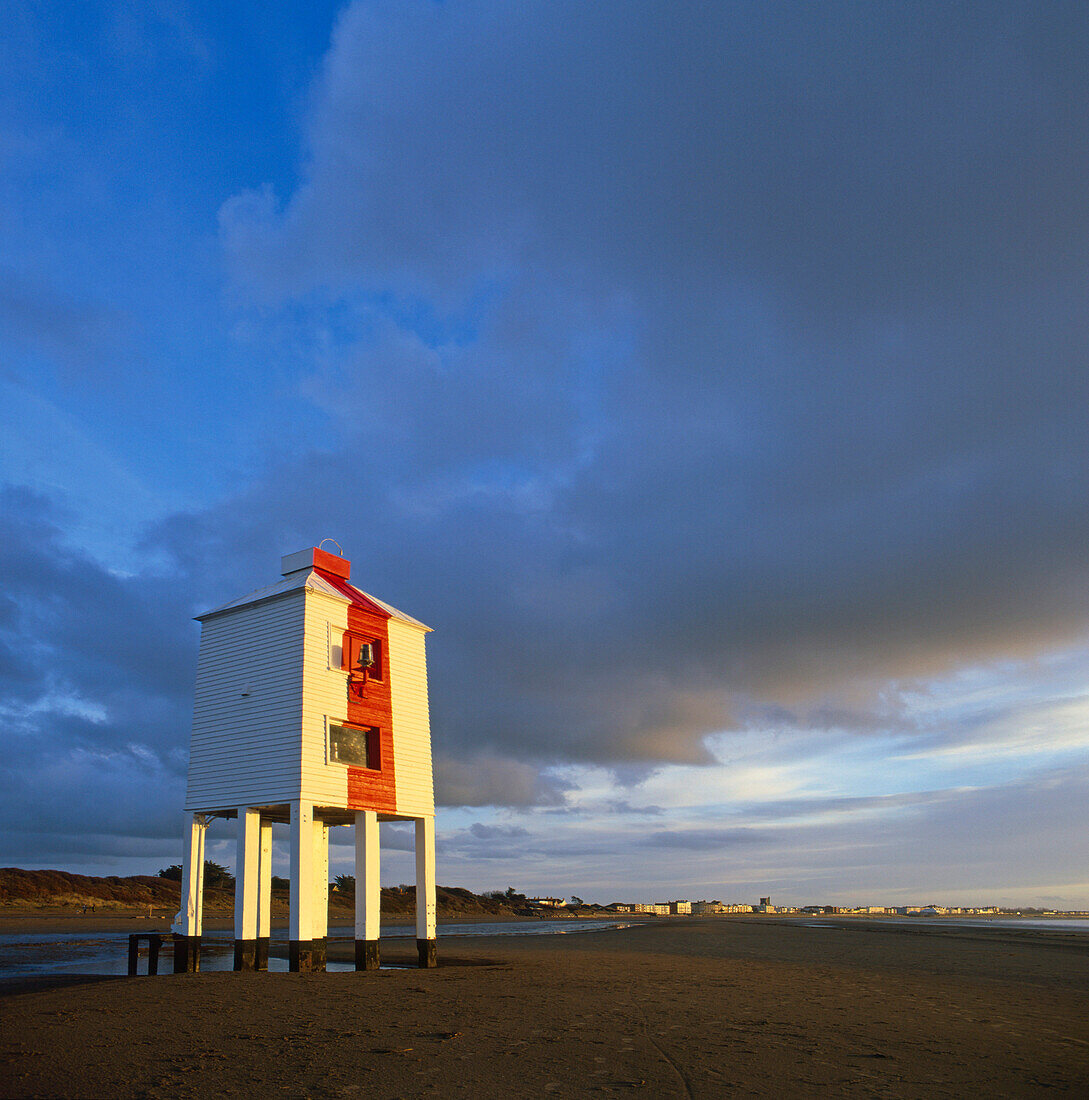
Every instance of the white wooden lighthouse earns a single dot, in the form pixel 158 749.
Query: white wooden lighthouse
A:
pixel 311 709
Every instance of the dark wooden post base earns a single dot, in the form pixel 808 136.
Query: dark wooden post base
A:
pixel 260 954
pixel 319 953
pixel 300 956
pixel 186 954
pixel 154 946
pixel 428 953
pixel 245 954
pixel 154 942
pixel 366 955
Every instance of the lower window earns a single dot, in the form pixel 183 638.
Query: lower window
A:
pixel 356 745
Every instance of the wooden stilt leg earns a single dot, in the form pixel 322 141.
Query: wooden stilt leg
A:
pixel 188 924
pixel 300 931
pixel 264 897
pixel 246 883
pixel 368 891
pixel 425 891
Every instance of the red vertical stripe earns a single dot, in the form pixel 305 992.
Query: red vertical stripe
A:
pixel 372 789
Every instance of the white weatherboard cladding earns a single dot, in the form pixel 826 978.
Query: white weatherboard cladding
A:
pixel 324 696
pixel 244 748
pixel 411 720
pixel 266 689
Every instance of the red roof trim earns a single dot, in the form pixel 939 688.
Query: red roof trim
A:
pixel 357 598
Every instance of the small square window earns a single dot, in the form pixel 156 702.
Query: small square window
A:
pixel 356 745
pixel 362 656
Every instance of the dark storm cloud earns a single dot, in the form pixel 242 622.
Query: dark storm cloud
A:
pixel 98 675
pixel 762 374
pixel 493 781
pixel 105 635
pixel 53 790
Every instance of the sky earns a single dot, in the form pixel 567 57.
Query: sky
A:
pixel 712 377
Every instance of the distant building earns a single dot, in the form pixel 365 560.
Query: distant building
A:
pixel 706 908
pixel 681 908
pixel 549 903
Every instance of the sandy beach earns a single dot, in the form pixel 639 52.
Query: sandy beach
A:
pixel 674 1008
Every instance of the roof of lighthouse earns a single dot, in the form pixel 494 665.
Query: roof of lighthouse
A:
pixel 321 572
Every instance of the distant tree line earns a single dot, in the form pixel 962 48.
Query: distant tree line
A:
pixel 216 876
pixel 511 897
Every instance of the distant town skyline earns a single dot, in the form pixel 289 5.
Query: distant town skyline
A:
pixel 712 378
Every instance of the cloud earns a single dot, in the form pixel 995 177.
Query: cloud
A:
pixel 497 832
pixel 57 792
pixel 1002 844
pixel 493 781
pixel 742 342
pixel 711 379
pixel 623 806
pixel 718 840
pixel 97 675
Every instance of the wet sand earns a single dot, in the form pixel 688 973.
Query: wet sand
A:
pixel 678 1008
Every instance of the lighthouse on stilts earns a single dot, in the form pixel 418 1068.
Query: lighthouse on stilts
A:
pixel 311 710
